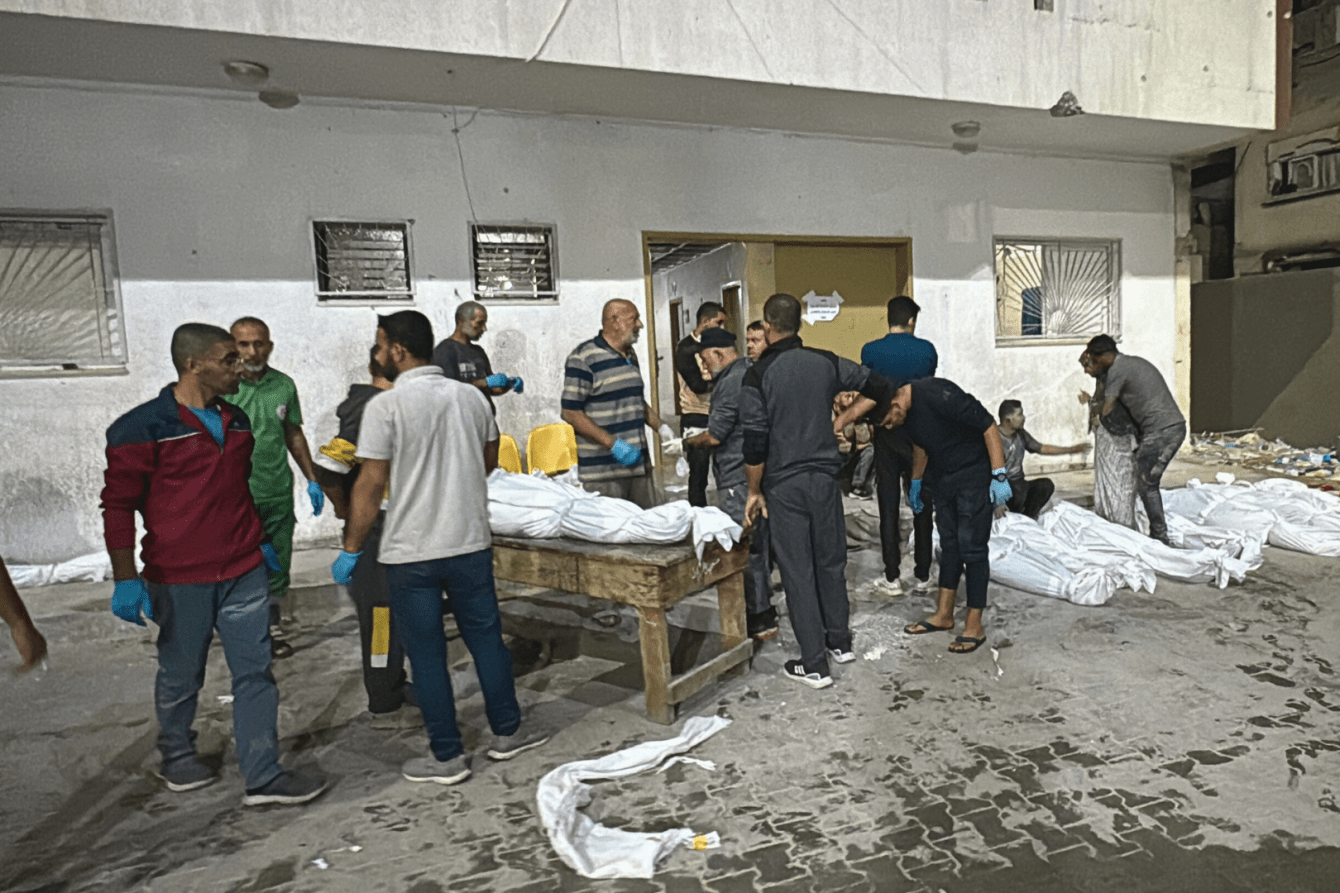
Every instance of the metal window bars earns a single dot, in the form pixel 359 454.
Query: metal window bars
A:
pixel 362 259
pixel 513 260
pixel 1057 290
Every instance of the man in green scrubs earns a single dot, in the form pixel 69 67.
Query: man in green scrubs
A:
pixel 270 400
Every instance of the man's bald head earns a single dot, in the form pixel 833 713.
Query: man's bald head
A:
pixel 620 324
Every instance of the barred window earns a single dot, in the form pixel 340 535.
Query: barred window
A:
pixel 59 304
pixel 1057 289
pixel 362 261
pixel 513 260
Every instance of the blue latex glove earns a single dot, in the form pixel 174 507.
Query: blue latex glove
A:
pixel 130 598
pixel 271 558
pixel 343 567
pixel 1000 490
pixel 914 498
pixel 496 380
pixel 625 453
pixel 518 385
pixel 318 498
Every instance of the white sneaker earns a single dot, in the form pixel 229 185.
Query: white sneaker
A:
pixel 891 588
pixel 841 657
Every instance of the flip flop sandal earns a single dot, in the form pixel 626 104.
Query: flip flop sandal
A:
pixel 966 640
pixel 921 627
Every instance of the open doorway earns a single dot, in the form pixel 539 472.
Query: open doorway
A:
pixel 684 270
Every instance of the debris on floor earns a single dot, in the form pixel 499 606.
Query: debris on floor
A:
pixel 1248 449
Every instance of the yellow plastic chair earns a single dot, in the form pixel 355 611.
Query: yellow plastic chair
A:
pixel 509 457
pixel 552 448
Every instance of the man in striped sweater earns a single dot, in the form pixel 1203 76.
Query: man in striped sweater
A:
pixel 604 401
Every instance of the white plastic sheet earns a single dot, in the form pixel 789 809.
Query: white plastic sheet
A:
pixel 536 507
pixel 593 850
pixel 92 568
pixel 1283 513
pixel 1026 556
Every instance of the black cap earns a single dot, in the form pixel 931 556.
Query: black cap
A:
pixel 716 337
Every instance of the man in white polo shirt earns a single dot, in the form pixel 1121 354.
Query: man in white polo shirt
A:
pixel 429 437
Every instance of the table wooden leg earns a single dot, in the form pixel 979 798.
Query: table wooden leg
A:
pixel 730 604
pixel 654 635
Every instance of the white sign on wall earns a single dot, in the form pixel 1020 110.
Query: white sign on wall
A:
pixel 821 308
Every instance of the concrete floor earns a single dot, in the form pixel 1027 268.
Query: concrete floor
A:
pixel 1187 740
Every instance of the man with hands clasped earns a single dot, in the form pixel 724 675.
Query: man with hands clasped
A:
pixel 433 441
pixel 182 460
pixel 957 447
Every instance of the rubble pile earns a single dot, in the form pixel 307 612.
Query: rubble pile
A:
pixel 1248 449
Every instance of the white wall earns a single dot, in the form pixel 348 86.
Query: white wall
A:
pixel 212 200
pixel 1209 61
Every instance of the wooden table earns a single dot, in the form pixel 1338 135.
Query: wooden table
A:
pixel 651 579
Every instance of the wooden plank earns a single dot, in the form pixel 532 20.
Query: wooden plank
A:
pixel 730 602
pixel 551 569
pixel 686 685
pixel 654 636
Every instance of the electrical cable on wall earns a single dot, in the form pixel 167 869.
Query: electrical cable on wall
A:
pixel 456 129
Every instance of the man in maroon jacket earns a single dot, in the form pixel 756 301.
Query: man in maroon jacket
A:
pixel 182 461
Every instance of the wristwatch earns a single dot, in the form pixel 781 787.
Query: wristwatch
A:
pixel 1001 476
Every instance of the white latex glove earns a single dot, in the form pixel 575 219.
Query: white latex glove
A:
pixel 666 432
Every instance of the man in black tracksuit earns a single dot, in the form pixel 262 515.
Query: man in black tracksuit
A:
pixel 791 466
pixel 957 449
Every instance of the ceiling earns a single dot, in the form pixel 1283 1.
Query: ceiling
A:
pixel 84 50
pixel 668 255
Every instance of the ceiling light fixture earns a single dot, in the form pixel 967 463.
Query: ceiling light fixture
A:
pixel 248 74
pixel 966 130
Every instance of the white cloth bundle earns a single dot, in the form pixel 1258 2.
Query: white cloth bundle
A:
pixel 1283 513
pixel 593 850
pixel 1026 556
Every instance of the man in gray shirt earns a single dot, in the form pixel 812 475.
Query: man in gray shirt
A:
pixel 791 465
pixel 725 432
pixel 1030 497
pixel 433 441
pixel 1160 425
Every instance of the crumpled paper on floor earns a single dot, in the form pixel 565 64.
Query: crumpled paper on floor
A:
pixel 595 851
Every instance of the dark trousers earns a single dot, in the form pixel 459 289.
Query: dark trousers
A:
pixel 963 516
pixel 1155 451
pixel 383 654
pixel 416 604
pixel 699 459
pixel 1030 496
pixel 893 471
pixel 809 539
pixel 758 578
pixel 187 615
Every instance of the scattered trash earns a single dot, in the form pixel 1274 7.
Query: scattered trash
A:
pixel 225 699
pixel 874 653
pixel 702 764
pixel 1249 449
pixel 995 658
pixel 320 863
pixel 597 851
pixel 709 841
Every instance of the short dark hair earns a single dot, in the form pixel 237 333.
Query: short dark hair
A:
pixel 467 310
pixel 782 313
pixel 1009 408
pixel 411 330
pixel 707 310
pixel 755 326
pixel 1101 344
pixel 251 321
pixel 192 339
pixel 902 310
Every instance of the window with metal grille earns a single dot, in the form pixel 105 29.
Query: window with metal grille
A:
pixel 514 260
pixel 59 305
pixel 362 261
pixel 1057 289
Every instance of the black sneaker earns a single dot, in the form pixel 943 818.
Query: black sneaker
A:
pixel 186 774
pixel 279 646
pixel 763 625
pixel 794 669
pixel 287 788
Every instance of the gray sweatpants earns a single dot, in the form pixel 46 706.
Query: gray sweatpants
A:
pixel 758 579
pixel 809 539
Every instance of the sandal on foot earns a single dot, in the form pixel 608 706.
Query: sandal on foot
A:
pixel 967 640
pixel 921 627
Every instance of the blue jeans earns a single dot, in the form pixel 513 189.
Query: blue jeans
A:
pixel 187 615
pixel 416 610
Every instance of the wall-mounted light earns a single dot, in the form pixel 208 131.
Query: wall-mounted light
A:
pixel 248 74
pixel 279 99
pixel 966 130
